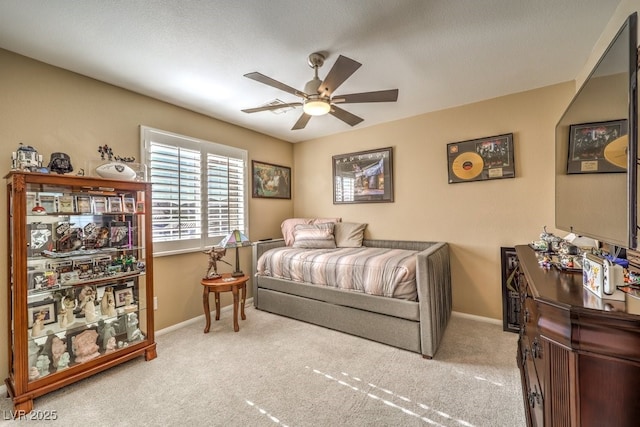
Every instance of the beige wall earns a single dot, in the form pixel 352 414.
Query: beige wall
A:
pixel 55 110
pixel 476 218
pixel 624 9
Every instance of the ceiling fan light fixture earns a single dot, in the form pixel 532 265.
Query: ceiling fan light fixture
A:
pixel 316 107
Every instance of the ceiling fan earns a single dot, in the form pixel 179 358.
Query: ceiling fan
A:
pixel 318 98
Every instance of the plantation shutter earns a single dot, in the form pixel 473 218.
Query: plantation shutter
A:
pixel 225 195
pixel 198 191
pixel 175 174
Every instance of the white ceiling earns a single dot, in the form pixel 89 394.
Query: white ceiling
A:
pixel 194 53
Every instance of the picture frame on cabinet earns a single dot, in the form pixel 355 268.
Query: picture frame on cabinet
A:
pixel 598 147
pixel 46 308
pixel 129 204
pixel 32 200
pixel 66 203
pixel 363 177
pixel 481 159
pixel 99 204
pixel 83 204
pixel 123 295
pixel 48 202
pixel 115 205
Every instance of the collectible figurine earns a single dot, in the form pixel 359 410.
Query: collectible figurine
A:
pixel 90 309
pixel 43 365
pixel 60 163
pixel 54 347
pixel 215 255
pixel 84 296
pixel 38 324
pixel 108 303
pixel 107 332
pixel 69 305
pixel 85 347
pixel 111 345
pixel 133 333
pixel 63 362
pixel 62 317
pixel 33 373
pixel 26 158
pixel 34 351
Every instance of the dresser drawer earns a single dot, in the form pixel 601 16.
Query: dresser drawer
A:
pixel 532 390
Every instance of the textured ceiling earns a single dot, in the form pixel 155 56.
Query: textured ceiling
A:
pixel 194 54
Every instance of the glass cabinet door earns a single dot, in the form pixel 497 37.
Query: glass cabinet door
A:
pixel 85 278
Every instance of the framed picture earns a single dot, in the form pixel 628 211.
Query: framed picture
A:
pixel 598 147
pixel 45 310
pixel 84 204
pixel 115 204
pixel 123 296
pixel 481 159
pixel 510 295
pixel 363 177
pixel 270 181
pixel 129 204
pixel 99 204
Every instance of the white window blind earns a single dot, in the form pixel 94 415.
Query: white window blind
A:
pixel 199 190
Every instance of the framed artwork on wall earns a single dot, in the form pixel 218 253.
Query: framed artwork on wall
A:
pixel 481 159
pixel 363 177
pixel 270 181
pixel 598 147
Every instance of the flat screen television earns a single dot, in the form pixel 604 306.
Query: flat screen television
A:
pixel 597 149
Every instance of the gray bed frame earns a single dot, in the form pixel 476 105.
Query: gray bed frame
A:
pixel 414 326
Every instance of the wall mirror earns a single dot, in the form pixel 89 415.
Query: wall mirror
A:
pixel 596 149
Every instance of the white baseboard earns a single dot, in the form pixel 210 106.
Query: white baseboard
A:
pixel 477 318
pixel 249 301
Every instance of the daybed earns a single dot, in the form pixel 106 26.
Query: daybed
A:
pixel 416 326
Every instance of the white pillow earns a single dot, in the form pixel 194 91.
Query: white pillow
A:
pixel 349 234
pixel 314 236
pixel 288 225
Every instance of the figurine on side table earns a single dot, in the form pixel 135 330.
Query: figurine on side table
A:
pixel 215 255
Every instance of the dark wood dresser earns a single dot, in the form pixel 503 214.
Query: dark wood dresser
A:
pixel 579 356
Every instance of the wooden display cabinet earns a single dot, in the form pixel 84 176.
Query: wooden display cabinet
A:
pixel 80 282
pixel 579 356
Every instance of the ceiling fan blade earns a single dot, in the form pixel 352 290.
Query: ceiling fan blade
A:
pixel 378 96
pixel 345 116
pixel 272 107
pixel 261 78
pixel 342 69
pixel 302 122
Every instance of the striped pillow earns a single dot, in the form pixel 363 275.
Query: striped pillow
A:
pixel 314 236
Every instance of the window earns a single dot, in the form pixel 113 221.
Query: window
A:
pixel 199 190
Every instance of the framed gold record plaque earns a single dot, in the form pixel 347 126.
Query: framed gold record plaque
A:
pixel 598 147
pixel 481 159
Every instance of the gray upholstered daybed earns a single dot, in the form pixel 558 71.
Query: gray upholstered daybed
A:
pixel 416 326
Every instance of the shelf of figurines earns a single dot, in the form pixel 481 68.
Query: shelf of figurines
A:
pixel 68 329
pixel 53 271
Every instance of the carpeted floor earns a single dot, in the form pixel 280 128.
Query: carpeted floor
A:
pixel 281 372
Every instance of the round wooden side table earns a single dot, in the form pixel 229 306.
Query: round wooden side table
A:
pixel 226 283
